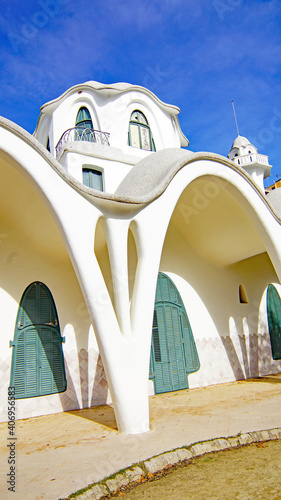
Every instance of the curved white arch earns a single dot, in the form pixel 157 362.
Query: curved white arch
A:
pixel 74 216
pixel 154 221
pixel 238 184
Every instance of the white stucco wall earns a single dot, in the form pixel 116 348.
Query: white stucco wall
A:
pixel 110 112
pixel 113 170
pixel 208 220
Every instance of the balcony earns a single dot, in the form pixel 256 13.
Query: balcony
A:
pixel 81 134
pixel 250 158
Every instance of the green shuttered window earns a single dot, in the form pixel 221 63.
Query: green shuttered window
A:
pixel 83 118
pixel 84 126
pixel 140 135
pixel 173 350
pixel 274 320
pixel 37 361
pixel 92 178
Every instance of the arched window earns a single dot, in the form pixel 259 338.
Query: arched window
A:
pixel 84 126
pixel 173 350
pixel 243 298
pixel 92 178
pixel 83 118
pixel 139 132
pixel 37 361
pixel 274 320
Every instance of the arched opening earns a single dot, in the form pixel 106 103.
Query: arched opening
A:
pixel 213 243
pixel 173 350
pixel 243 299
pixel 37 362
pixel 102 255
pixel 132 261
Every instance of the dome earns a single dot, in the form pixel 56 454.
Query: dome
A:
pixel 241 146
pixel 241 142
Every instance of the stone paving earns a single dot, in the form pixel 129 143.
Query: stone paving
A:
pixel 62 453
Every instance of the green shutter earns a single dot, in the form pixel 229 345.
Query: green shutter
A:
pixel 162 380
pixel 92 178
pixel 25 371
pixel 274 320
pixel 83 118
pixel 191 355
pixel 84 126
pixel 37 361
pixel 173 350
pixel 140 135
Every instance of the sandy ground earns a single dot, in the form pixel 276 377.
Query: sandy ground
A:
pixel 62 453
pixel 249 473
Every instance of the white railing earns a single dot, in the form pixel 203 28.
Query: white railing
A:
pixel 251 158
pixel 82 134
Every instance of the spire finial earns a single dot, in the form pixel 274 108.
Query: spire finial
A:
pixel 235 117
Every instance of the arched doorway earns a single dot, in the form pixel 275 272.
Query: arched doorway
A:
pixel 173 350
pixel 274 320
pixel 37 361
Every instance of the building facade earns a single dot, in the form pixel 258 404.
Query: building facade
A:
pixel 129 264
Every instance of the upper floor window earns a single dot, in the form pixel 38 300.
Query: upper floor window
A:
pixel 92 178
pixel 140 135
pixel 83 118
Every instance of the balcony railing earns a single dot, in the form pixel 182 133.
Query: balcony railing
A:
pixel 251 158
pixel 82 134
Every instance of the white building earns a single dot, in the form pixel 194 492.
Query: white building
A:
pixel 130 265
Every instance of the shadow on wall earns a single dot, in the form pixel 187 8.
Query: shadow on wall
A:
pixel 243 347
pixel 100 387
pixel 84 378
pixel 233 358
pixel 99 412
pixel 99 393
pixel 250 364
pixel 69 400
pixel 254 355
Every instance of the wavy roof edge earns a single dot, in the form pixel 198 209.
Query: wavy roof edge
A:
pixel 120 87
pixel 113 88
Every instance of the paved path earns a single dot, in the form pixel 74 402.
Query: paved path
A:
pixel 60 454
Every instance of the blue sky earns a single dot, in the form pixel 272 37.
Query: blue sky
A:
pixel 196 54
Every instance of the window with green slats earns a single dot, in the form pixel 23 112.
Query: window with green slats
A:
pixel 156 341
pixel 173 350
pixel 140 135
pixel 84 125
pixel 83 118
pixel 274 320
pixel 37 360
pixel 92 178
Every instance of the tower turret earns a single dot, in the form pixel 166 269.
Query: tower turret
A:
pixel 245 155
